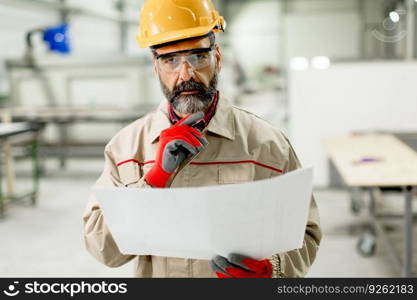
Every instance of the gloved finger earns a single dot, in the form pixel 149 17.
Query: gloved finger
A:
pixel 198 141
pixel 181 157
pixel 221 275
pixel 186 134
pixel 240 260
pixel 219 271
pixel 176 146
pixel 173 154
pixel 202 140
pixel 222 263
pixel 200 125
pixel 189 135
pixel 224 268
pixel 197 134
pixel 193 130
pixel 257 266
pixel 191 119
pixel 240 273
pixel 186 148
pixel 183 129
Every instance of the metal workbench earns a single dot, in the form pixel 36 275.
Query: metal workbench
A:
pixel 27 134
pixel 63 118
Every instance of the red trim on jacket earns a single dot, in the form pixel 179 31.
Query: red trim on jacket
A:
pixel 210 163
pixel 136 161
pixel 237 162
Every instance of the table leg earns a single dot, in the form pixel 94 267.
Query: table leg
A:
pixel 63 141
pixel 1 190
pixel 408 232
pixel 9 170
pixel 372 199
pixel 36 170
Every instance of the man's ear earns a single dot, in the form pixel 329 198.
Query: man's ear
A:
pixel 218 57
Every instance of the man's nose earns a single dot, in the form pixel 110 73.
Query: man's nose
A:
pixel 186 71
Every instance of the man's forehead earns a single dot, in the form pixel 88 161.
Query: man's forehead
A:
pixel 185 45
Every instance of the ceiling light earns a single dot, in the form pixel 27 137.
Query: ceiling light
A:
pixel 394 16
pixel 320 62
pixel 299 63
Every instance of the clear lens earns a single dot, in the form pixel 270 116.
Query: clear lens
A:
pixel 173 63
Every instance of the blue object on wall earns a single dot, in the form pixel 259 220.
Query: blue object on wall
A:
pixel 57 38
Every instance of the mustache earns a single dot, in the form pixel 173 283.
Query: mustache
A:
pixel 186 86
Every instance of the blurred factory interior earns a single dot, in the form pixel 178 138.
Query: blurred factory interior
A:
pixel 316 69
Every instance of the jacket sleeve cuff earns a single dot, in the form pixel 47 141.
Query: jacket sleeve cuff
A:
pixel 276 263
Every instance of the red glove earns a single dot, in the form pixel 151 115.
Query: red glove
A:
pixel 176 144
pixel 239 266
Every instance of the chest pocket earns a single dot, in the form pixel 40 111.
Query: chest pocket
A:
pixel 215 173
pixel 236 173
pixel 245 172
pixel 129 173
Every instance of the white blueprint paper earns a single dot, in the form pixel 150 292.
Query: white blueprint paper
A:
pixel 256 219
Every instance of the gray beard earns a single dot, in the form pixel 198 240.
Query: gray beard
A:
pixel 189 104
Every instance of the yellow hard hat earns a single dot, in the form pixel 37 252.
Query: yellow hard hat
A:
pixel 163 21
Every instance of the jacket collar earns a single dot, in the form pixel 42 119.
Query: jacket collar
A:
pixel 221 124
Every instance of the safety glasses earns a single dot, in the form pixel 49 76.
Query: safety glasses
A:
pixel 196 58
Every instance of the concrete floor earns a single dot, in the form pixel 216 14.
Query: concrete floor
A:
pixel 46 241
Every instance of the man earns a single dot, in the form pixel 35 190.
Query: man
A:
pixel 194 138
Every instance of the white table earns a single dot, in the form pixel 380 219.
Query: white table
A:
pixel 379 160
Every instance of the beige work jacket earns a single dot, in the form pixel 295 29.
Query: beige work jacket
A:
pixel 242 147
